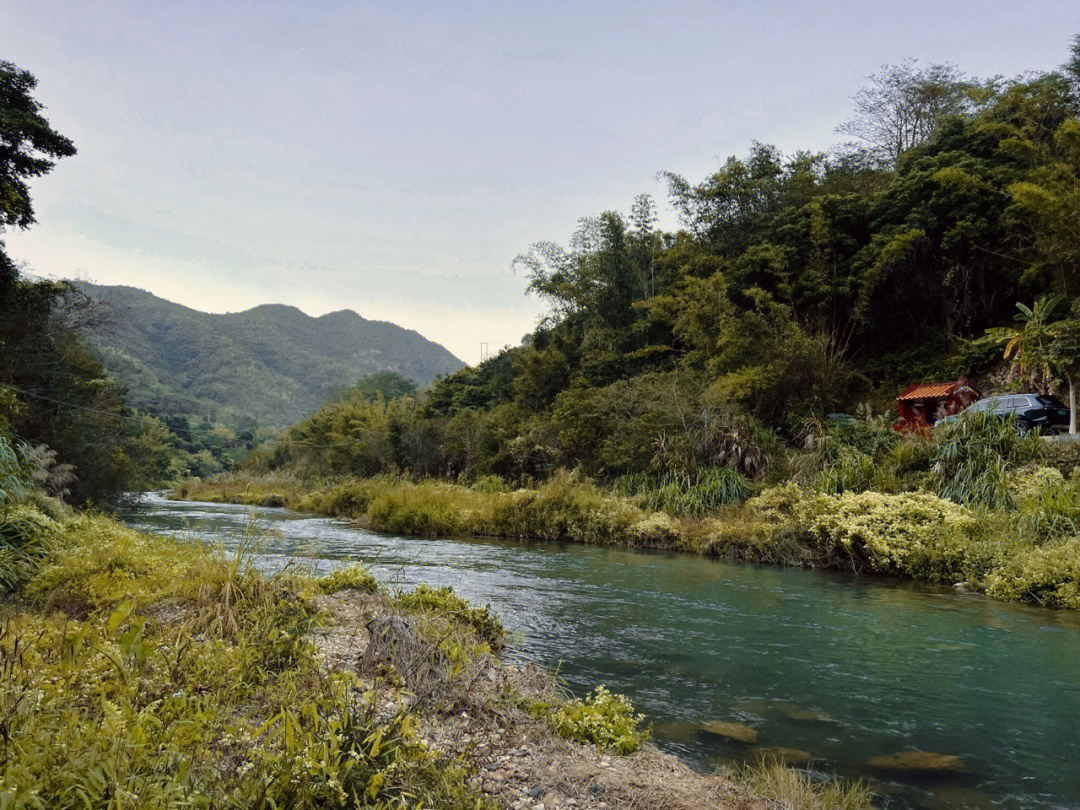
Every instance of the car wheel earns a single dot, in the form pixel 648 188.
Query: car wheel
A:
pixel 1022 427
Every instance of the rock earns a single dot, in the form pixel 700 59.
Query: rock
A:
pixel 792 757
pixel 917 762
pixel 961 587
pixel 793 712
pixel 681 731
pixel 731 731
pixel 535 792
pixel 808 715
pixel 957 797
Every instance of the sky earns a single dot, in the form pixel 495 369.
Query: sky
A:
pixel 393 158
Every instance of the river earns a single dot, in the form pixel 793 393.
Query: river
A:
pixel 845 668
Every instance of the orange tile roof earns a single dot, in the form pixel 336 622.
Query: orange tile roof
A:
pixel 927 390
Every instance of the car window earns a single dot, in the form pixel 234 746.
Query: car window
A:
pixel 1049 402
pixel 982 405
pixel 999 404
pixel 1022 402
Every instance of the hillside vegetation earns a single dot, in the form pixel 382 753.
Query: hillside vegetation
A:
pixel 272 362
pixel 703 375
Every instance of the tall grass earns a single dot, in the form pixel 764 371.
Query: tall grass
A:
pixel 677 494
pixel 792 789
pixel 973 456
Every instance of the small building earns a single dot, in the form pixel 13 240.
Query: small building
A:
pixel 922 404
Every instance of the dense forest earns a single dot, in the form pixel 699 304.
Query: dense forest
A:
pixel 797 286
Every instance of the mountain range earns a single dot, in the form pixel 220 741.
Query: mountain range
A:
pixel 272 362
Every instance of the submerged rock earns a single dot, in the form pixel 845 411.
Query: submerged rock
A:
pixel 956 797
pixel 917 762
pixel 680 731
pixel 806 715
pixel 792 757
pixel 732 731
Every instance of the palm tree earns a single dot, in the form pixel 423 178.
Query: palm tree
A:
pixel 1038 346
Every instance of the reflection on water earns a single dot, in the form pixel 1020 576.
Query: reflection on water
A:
pixel 842 668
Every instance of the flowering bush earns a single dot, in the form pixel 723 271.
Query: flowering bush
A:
pixel 910 532
pixel 1049 575
pixel 603 719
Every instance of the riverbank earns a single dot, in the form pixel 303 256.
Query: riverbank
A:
pixel 143 672
pixel 915 535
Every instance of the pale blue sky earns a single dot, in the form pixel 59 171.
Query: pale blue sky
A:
pixel 393 158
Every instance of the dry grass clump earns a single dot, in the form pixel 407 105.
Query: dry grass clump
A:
pixel 790 789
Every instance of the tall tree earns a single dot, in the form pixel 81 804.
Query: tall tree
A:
pixel 29 148
pixel 903 105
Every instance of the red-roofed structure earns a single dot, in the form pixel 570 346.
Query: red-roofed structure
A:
pixel 922 404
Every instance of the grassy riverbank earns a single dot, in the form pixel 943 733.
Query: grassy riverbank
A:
pixel 1027 554
pixel 141 672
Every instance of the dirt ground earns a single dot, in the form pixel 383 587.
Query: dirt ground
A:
pixel 517 760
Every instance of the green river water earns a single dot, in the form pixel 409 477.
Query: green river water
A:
pixel 842 667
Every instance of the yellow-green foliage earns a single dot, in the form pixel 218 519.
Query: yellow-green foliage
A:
pixel 100 562
pixel 603 719
pixel 178 677
pixel 1049 575
pixel 914 533
pixel 247 489
pixel 1048 505
pixel 446 603
pixel 355 576
pixel 25 536
pixel 566 508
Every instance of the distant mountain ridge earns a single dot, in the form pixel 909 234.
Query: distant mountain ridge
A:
pixel 273 361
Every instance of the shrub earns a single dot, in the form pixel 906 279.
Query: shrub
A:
pixel 914 533
pixel 973 456
pixel 777 505
pixel 1063 455
pixel 602 719
pixel 1049 575
pixel 1048 506
pixel 25 538
pixel 444 602
pixel 356 577
pixel 14 485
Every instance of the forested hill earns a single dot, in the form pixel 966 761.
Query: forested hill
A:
pixel 272 362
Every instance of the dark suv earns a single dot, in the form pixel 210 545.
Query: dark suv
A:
pixel 1030 410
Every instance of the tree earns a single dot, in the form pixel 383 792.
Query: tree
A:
pixel 29 148
pixel 1049 203
pixel 1065 355
pixel 1028 344
pixel 389 384
pixel 1041 348
pixel 903 106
